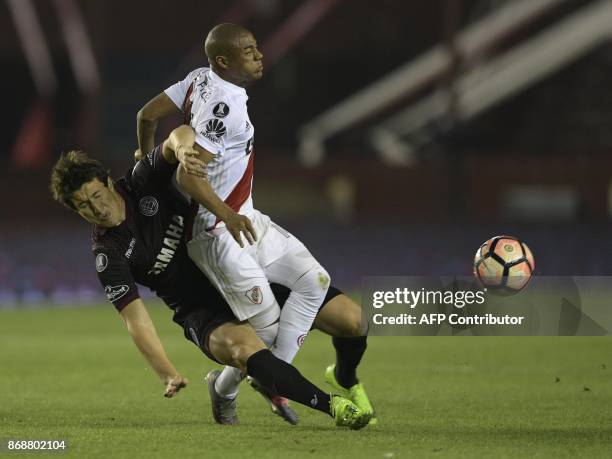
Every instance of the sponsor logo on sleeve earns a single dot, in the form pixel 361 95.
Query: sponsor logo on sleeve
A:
pixel 221 110
pixel 115 292
pixel 101 262
pixel 254 295
pixel 214 130
pixel 128 252
pixel 148 206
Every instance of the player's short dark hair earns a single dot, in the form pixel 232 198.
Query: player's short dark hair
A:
pixel 221 40
pixel 71 171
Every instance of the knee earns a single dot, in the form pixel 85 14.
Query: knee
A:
pixel 343 318
pixel 241 352
pixel 347 325
pixel 233 344
pixel 315 281
pixel 355 326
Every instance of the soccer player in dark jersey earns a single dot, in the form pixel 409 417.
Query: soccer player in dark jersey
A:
pixel 138 238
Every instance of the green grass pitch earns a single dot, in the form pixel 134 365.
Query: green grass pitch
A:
pixel 74 374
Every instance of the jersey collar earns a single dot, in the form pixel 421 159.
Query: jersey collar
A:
pixel 226 85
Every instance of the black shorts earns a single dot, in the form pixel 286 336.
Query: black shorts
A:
pixel 199 323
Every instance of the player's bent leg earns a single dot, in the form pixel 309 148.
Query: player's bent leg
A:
pixel 241 282
pixel 299 271
pixel 342 318
pixel 229 380
pixel 232 343
pixel 265 324
pixel 238 345
pixel 286 380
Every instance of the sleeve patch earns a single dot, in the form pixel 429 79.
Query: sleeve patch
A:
pixel 115 292
pixel 221 110
pixel 101 262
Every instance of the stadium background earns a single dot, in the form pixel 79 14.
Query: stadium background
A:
pixel 535 165
pixel 407 182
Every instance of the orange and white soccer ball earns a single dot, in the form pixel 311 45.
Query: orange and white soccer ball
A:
pixel 504 265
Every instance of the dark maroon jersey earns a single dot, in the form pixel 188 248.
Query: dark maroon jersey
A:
pixel 148 247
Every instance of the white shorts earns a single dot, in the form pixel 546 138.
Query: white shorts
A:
pixel 243 275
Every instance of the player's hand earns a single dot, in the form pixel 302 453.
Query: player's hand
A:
pixel 173 385
pixel 189 158
pixel 138 155
pixel 238 224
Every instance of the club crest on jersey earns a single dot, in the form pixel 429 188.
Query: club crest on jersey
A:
pixel 114 292
pixel 214 130
pixel 254 295
pixel 148 206
pixel 221 110
pixel 101 262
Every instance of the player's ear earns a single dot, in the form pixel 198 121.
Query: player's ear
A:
pixel 222 62
pixel 109 183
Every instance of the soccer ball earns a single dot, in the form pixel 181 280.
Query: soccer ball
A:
pixel 504 265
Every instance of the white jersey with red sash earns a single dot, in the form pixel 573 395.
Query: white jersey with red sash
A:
pixel 217 110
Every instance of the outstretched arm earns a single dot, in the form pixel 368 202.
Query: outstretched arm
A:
pixel 145 337
pixel 146 121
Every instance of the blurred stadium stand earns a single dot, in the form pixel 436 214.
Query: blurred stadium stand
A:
pixel 402 134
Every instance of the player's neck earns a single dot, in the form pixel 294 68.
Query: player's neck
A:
pixel 228 78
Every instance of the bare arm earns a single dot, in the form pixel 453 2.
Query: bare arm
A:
pixel 201 191
pixel 181 146
pixel 147 118
pixel 145 337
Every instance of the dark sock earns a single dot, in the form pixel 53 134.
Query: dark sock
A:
pixel 348 355
pixel 280 378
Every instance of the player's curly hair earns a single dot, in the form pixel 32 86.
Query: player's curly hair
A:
pixel 71 171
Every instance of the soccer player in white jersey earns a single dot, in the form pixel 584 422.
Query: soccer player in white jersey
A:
pixel 213 101
pixel 224 138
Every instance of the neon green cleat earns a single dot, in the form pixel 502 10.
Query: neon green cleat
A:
pixel 346 413
pixel 355 394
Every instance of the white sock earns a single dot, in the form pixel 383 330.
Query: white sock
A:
pixel 228 381
pixel 299 312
